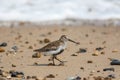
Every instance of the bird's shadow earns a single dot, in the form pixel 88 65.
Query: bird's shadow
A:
pixel 50 64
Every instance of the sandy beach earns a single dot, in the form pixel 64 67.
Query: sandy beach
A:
pixel 86 65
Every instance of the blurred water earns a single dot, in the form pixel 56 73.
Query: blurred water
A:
pixel 42 10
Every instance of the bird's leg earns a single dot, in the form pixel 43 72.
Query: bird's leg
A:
pixel 53 57
pixel 58 59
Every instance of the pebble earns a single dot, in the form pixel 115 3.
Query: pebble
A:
pixel 46 40
pixel 16 74
pixel 15 48
pixel 73 55
pixel 28 77
pixel 30 47
pixel 4 44
pixel 74 78
pixel 13 65
pixel 115 62
pixel 81 50
pixel 109 69
pixel 2 50
pixel 115 50
pixel 89 61
pixel 50 76
pixel 95 53
pixel 111 75
pixel 36 55
pixel 99 48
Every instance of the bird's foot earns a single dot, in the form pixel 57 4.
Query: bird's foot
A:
pixel 61 64
pixel 51 64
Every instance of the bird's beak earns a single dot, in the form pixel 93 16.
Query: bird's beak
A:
pixel 73 41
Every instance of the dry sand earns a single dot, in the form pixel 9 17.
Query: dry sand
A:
pixel 89 38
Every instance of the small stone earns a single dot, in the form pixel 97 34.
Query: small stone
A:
pixel 89 61
pixel 36 55
pixel 46 40
pixel 109 69
pixel 2 50
pixel 115 50
pixel 15 48
pixel 35 63
pixel 74 78
pixel 99 78
pixel 28 77
pixel 34 77
pixel 13 65
pixel 115 62
pixel 73 55
pixel 82 68
pixel 81 50
pixel 50 76
pixel 95 54
pixel 98 70
pixel 30 47
pixel 4 44
pixel 102 52
pixel 26 42
pixel 99 48
pixel 49 33
pixel 84 78
pixel 86 35
pixel 111 76
pixel 40 78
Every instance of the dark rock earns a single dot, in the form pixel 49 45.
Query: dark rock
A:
pixel 115 62
pixel 109 69
pixel 81 50
pixel 111 76
pixel 28 77
pixel 89 61
pixel 99 48
pixel 4 44
pixel 15 48
pixel 16 74
pixel 46 40
pixel 50 76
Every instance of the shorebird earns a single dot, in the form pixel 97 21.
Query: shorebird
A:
pixel 55 48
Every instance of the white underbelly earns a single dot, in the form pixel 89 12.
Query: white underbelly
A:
pixel 54 51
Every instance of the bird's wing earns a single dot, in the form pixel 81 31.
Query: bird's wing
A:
pixel 49 47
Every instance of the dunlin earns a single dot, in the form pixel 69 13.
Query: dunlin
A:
pixel 55 48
